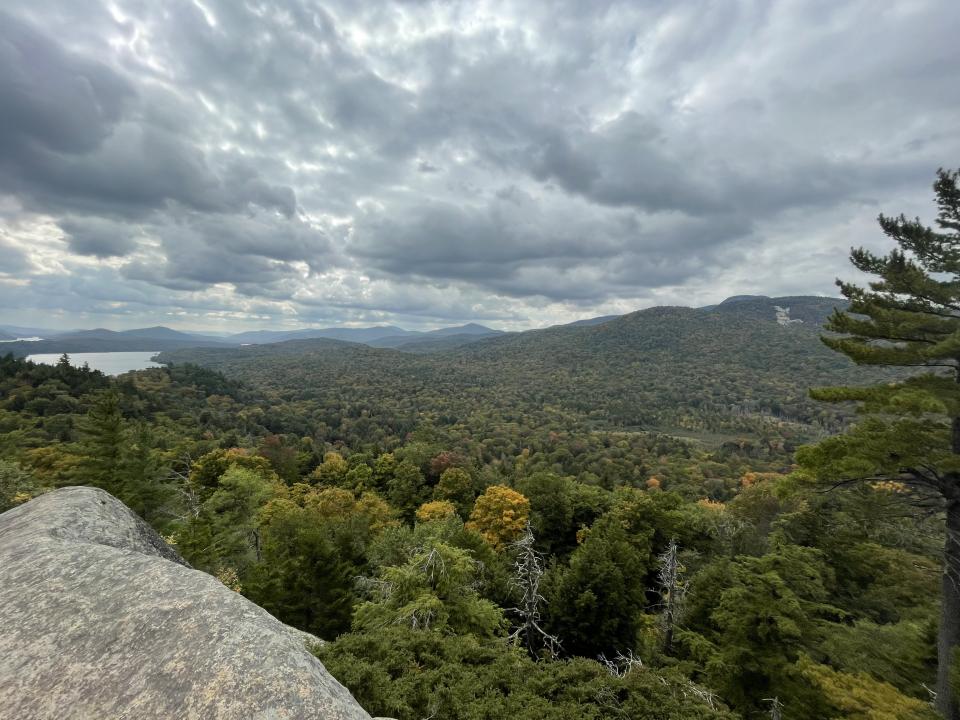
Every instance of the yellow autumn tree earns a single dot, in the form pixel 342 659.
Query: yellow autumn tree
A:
pixel 753 478
pixel 435 510
pixel 500 515
pixel 712 505
pixel 341 505
pixel 334 505
pixel 330 502
pixel 859 696
pixel 332 471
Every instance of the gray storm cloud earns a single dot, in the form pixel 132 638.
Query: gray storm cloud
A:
pixel 430 163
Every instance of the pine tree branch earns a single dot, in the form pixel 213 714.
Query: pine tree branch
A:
pixel 905 477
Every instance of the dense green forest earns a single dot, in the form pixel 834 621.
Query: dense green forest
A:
pixel 489 531
pixel 730 371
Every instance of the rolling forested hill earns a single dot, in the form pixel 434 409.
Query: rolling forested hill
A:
pixel 729 369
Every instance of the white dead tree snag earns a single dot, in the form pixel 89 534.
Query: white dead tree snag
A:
pixel 528 571
pixel 672 591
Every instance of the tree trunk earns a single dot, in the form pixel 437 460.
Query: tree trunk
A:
pixel 948 638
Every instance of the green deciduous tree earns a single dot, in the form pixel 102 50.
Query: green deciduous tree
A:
pixel 283 458
pixel 909 316
pixel 552 519
pixel 332 471
pixel 206 472
pixel 406 489
pixel 456 485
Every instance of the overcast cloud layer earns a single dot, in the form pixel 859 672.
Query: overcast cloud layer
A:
pixel 228 164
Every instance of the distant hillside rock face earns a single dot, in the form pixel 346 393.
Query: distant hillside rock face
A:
pixel 782 316
pixel 99 618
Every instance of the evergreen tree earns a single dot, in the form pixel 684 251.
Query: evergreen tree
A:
pixel 15 485
pixel 140 475
pixel 595 604
pixel 102 445
pixel 301 577
pixel 407 673
pixel 910 435
pixel 433 590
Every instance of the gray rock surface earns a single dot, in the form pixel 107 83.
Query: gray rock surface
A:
pixel 99 618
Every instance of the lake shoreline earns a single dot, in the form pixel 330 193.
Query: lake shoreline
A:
pixel 109 363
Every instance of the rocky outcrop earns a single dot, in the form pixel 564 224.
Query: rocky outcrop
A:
pixel 99 618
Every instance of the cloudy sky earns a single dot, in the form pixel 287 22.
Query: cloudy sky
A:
pixel 231 164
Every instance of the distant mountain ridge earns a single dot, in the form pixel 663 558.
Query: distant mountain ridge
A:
pixel 593 321
pixel 151 333
pixel 159 338
pixel 793 310
pixel 260 337
pixel 377 336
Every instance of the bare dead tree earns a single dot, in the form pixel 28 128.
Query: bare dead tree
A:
pixel 528 571
pixel 179 475
pixel 376 588
pixel 672 591
pixel 708 698
pixel 776 708
pixel 621 665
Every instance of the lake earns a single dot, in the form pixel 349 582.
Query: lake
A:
pixel 109 363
